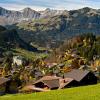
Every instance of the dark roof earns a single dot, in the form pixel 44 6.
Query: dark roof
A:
pixel 65 82
pixel 76 74
pixel 50 81
pixel 3 80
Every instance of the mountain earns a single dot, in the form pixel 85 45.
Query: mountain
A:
pixel 28 13
pixel 8 17
pixel 52 30
pixel 51 27
pixel 10 39
pixel 50 13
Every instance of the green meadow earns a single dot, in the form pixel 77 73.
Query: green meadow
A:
pixel 91 92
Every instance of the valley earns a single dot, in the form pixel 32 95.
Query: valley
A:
pixel 49 50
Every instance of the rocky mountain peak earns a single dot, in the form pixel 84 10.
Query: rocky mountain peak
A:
pixel 47 9
pixel 27 9
pixel 87 10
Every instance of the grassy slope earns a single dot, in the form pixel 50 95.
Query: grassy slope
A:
pixel 28 54
pixel 79 93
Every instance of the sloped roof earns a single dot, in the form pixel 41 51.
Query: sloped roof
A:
pixel 48 78
pixel 3 80
pixel 66 82
pixel 50 81
pixel 76 74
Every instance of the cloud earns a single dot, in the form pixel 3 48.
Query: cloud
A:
pixel 20 7
pixel 54 4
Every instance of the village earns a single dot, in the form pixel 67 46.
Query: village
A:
pixel 49 49
pixel 21 76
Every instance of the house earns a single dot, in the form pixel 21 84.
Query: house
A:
pixel 84 77
pixel 19 60
pixel 3 84
pixel 12 86
pixel 53 82
pixel 48 82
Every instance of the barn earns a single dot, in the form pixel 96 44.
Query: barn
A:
pixel 84 77
pixel 3 85
pixel 48 82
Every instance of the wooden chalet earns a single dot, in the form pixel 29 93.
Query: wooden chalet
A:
pixel 83 77
pixel 3 85
pixel 48 82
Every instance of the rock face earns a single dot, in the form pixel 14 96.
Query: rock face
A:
pixel 29 13
pixel 51 26
pixel 50 13
pixel 8 17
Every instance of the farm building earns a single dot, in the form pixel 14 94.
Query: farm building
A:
pixel 3 84
pixel 53 82
pixel 12 86
pixel 48 82
pixel 19 60
pixel 84 77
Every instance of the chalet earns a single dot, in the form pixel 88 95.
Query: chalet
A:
pixel 3 84
pixel 12 86
pixel 48 82
pixel 84 77
pixel 19 60
pixel 53 82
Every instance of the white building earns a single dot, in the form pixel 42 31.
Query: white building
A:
pixel 18 60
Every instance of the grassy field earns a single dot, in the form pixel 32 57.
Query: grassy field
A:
pixel 80 93
pixel 28 54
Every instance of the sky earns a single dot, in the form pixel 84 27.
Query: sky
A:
pixel 53 4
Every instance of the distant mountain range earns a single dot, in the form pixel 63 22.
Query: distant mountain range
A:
pixel 8 17
pixel 51 27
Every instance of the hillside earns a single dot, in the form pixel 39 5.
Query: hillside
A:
pixel 80 93
pixel 53 30
pixel 10 39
